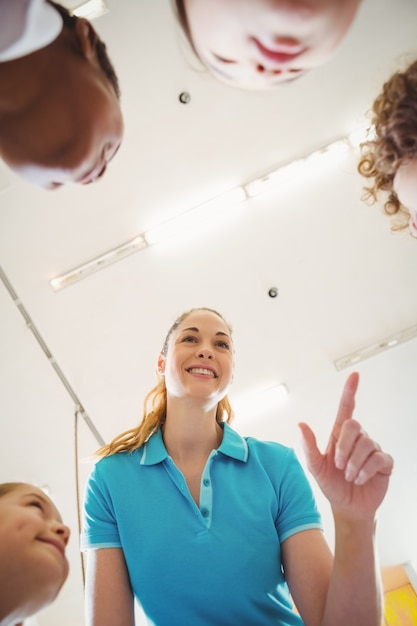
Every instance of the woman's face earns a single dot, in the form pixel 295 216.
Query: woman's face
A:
pixel 32 546
pixel 257 44
pixel 199 360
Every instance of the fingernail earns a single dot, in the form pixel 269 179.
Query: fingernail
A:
pixel 349 474
pixel 339 461
pixel 360 479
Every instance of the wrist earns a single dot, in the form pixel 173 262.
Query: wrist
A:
pixel 349 523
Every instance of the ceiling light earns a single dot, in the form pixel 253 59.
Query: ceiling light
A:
pixel 260 400
pixel 91 9
pixel 376 348
pixel 212 208
pixel 195 216
pixel 288 172
pixel 274 179
pixel 106 259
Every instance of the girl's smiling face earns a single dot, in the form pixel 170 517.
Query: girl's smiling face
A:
pixel 257 44
pixel 33 539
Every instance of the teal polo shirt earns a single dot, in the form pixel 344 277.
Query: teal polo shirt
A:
pixel 215 564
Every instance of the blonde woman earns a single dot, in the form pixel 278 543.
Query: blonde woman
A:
pixel 206 527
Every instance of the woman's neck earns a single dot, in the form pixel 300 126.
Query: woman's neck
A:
pixel 191 432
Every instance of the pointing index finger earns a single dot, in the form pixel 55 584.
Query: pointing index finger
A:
pixel 346 406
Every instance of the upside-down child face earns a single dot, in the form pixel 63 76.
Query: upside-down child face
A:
pixel 64 125
pixel 65 138
pixel 33 539
pixel 258 44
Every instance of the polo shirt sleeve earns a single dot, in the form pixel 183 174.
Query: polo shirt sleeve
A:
pixel 100 528
pixel 297 508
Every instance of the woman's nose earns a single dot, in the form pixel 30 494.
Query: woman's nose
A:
pixel 205 353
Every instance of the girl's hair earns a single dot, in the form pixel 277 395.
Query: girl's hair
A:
pixel 181 14
pixel 394 118
pixel 155 405
pixel 6 488
pixel 106 65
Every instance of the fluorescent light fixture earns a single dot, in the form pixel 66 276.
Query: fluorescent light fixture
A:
pixel 275 179
pixel 288 172
pixel 91 9
pixel 165 230
pixel 376 348
pixel 258 401
pixel 106 259
pixel 195 216
pixel 212 208
pixel 276 394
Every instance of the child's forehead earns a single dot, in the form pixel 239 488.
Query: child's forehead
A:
pixel 27 491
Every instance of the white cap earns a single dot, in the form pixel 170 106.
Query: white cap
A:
pixel 42 26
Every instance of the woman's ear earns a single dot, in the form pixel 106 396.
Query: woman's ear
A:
pixel 87 38
pixel 161 365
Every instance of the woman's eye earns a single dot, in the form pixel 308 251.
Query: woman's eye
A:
pixel 189 338
pixel 223 344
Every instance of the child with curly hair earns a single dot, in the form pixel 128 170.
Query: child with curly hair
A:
pixel 389 158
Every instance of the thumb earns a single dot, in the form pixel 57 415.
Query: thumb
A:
pixel 311 451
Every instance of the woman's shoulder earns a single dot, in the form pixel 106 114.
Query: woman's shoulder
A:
pixel 269 449
pixel 119 459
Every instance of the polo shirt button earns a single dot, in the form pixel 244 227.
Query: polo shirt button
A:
pixel 204 512
pixel 206 482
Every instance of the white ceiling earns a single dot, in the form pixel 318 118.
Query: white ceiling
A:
pixel 345 281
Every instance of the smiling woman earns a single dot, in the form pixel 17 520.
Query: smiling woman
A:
pixel 33 565
pixel 182 504
pixel 256 44
pixel 60 117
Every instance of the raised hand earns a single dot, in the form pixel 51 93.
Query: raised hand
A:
pixel 353 472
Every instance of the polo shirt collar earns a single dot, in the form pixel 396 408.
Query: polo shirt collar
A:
pixel 232 445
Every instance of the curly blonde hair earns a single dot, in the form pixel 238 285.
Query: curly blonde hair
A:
pixel 155 405
pixel 394 121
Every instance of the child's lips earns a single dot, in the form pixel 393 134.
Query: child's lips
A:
pixel 56 544
pixel 283 51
